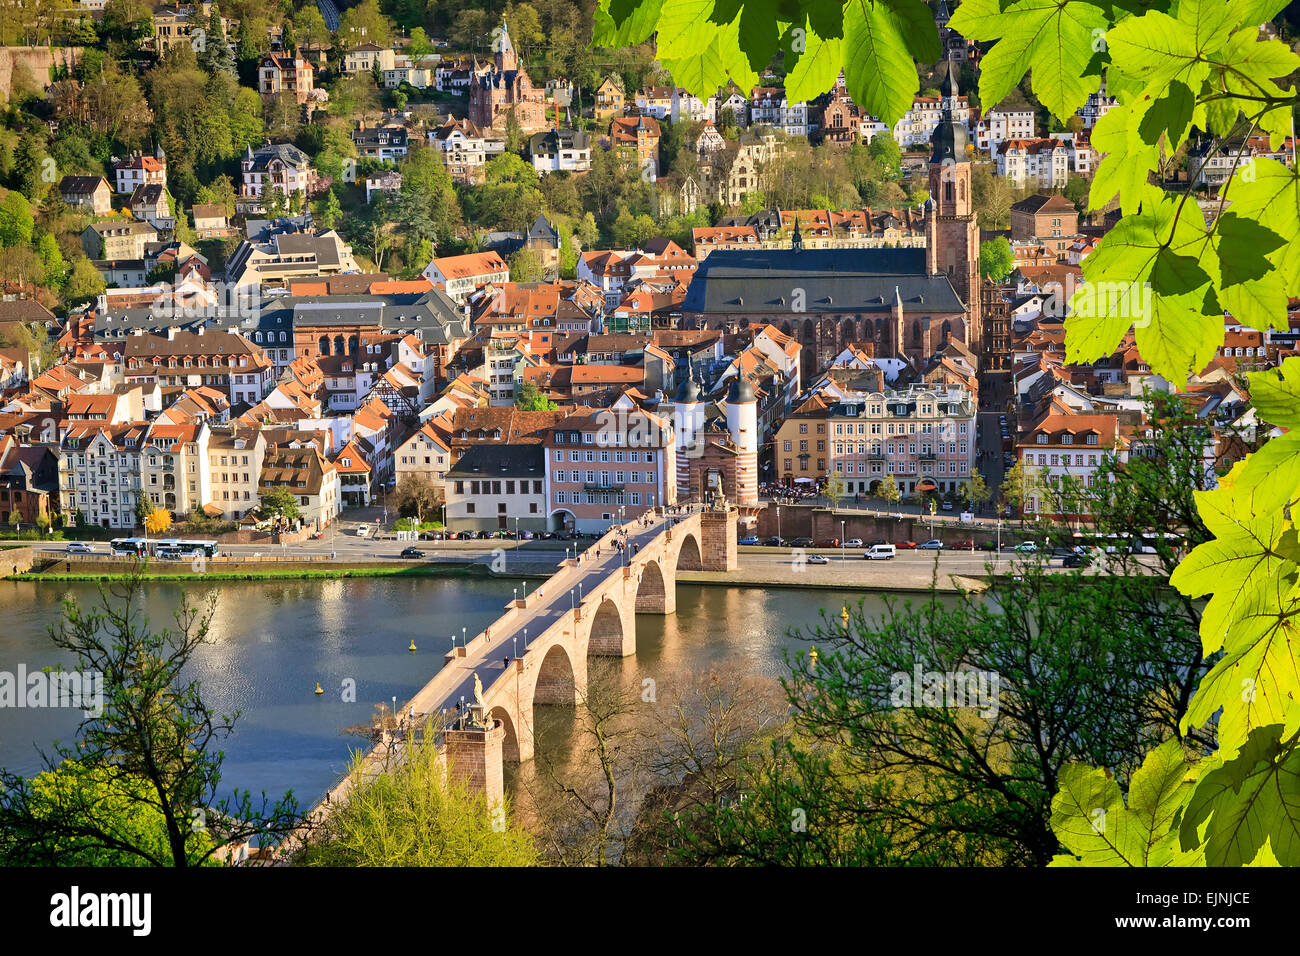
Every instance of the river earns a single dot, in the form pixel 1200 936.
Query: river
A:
pixel 272 641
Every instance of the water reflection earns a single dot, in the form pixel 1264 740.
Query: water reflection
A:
pixel 272 641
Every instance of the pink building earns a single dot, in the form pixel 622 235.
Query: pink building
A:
pixel 608 465
pixel 924 437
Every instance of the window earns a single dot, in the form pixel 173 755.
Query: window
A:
pixel 1042 439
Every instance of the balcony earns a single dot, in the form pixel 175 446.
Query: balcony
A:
pixel 604 489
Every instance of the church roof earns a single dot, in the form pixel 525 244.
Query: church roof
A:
pixel 832 280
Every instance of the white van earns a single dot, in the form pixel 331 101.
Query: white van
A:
pixel 363 531
pixel 880 552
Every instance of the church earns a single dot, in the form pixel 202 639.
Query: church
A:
pixel 902 303
pixel 506 88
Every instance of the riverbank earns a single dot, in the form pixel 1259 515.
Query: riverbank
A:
pixel 335 571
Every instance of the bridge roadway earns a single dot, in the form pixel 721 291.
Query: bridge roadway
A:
pixel 552 602
pixel 587 607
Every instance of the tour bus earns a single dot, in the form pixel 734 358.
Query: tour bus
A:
pixel 133 546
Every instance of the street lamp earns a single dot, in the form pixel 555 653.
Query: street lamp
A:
pixel 841 539
pixel 778 524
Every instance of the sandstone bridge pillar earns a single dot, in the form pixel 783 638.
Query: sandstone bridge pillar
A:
pixel 718 540
pixel 474 756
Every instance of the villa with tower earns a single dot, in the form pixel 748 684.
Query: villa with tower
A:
pixel 506 88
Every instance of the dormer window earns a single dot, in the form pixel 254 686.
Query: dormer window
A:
pixel 1042 439
pixel 1092 439
pixel 1067 439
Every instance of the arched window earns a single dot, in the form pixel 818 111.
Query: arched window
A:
pixel 324 345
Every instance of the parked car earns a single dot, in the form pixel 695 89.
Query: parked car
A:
pixel 526 536
pixel 773 542
pixel 78 547
pixel 987 546
pixel 1026 547
pixel 818 559
pixel 801 543
pixel 363 531
pixel 905 545
pixel 880 552
pixel 934 544
pixel 317 535
pixel 1076 561
pixel 752 539
pixel 412 553
pixel 431 535
pixel 853 543
pixel 1002 420
pixel 876 542
pixel 946 506
pixel 827 543
pixel 964 544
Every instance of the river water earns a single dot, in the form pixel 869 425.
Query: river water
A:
pixel 272 641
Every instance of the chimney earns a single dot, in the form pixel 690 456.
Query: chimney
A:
pixel 171 333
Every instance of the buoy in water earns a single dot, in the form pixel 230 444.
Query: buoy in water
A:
pixel 412 647
pixel 319 690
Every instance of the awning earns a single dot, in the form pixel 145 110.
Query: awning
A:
pixel 803 481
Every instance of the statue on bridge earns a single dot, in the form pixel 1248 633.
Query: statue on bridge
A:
pixel 481 718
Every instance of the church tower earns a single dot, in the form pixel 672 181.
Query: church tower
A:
pixel 506 58
pixel 952 235
pixel 742 423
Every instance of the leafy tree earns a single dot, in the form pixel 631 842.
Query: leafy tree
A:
pixel 526 266
pixel 996 258
pixel 888 155
pixel 84 283
pixel 834 489
pixel 36 340
pixel 975 489
pixel 1019 486
pixel 330 210
pixel 531 399
pixel 363 23
pixel 416 815
pixel 416 495
pixel 281 504
pixel 16 220
pixel 143 509
pixel 158 521
pixel 938 734
pixel 15 519
pixel 140 783
pixel 890 491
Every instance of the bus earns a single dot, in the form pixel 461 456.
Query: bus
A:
pixel 177 548
pixel 132 546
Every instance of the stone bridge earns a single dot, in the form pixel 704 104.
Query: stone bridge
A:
pixel 535 654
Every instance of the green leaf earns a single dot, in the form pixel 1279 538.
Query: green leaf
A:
pixel 878 70
pixel 1259 303
pixel 758 33
pixel 1275 393
pixel 815 69
pixel 624 22
pixel 916 24
pixel 1250 801
pixel 1124 165
pixel 1250 243
pixel 685 29
pixel 1056 41
pixel 1090 819
pixel 1238 565
pixel 1178 340
pixel 1272 474
pixel 1269 192
pixel 1154 49
pixel 1172 112
pixel 1257 680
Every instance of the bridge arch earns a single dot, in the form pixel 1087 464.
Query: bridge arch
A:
pixel 555 683
pixel 609 634
pixel 509 745
pixel 655 591
pixel 689 555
